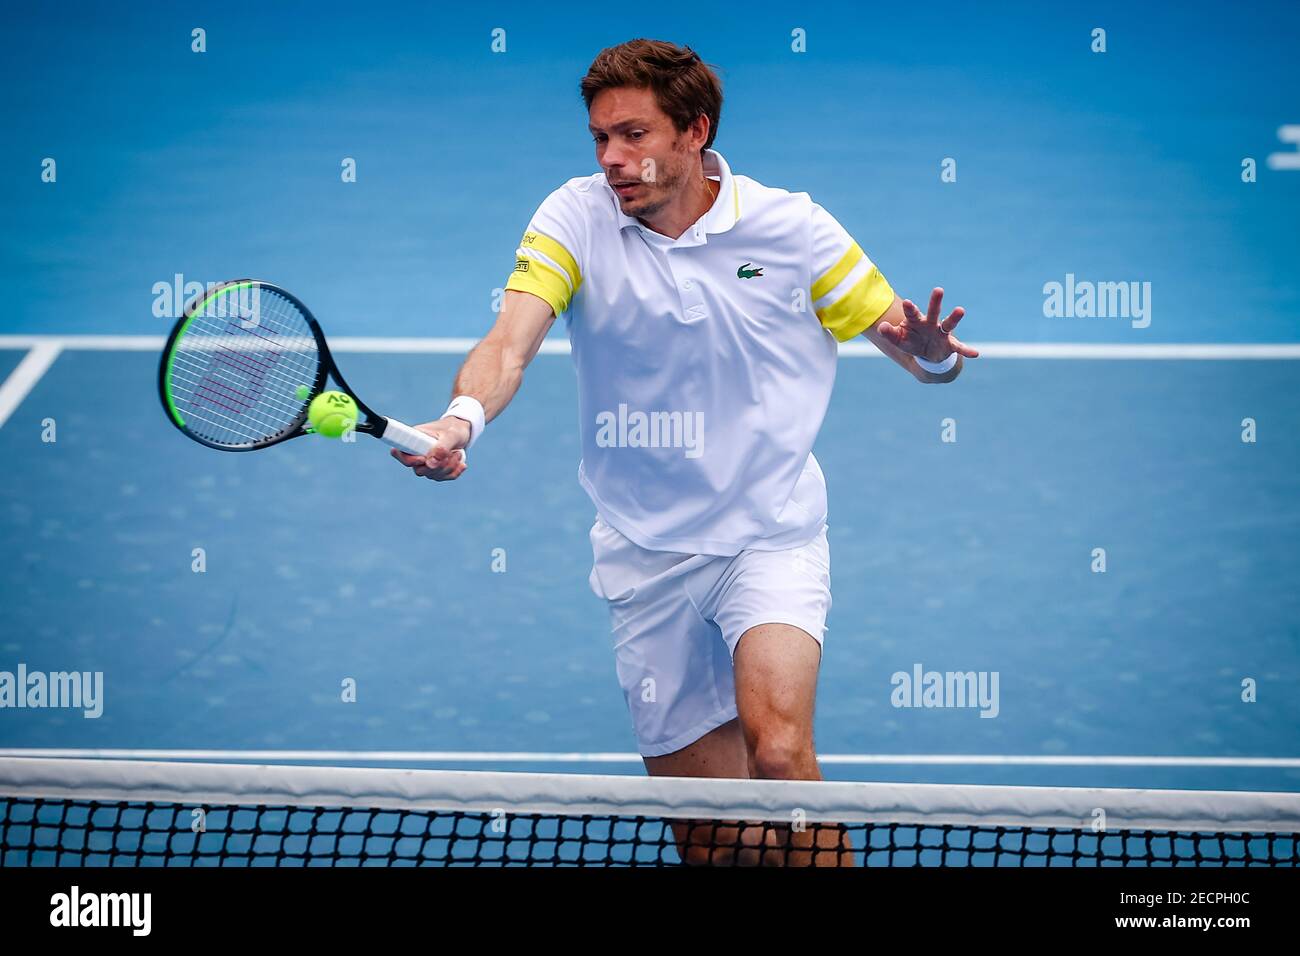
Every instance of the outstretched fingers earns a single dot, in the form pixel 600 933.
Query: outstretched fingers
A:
pixel 936 305
pixel 955 316
pixel 912 313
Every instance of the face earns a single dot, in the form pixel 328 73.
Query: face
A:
pixel 646 160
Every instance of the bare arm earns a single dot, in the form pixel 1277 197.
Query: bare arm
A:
pixel 494 369
pixel 903 333
pixel 491 373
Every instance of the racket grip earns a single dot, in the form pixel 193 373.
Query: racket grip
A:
pixel 410 440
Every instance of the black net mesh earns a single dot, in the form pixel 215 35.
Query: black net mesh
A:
pixel 97 833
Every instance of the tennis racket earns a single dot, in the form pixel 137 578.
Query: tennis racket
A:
pixel 244 362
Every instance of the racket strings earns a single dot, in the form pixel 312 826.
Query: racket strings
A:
pixel 216 397
pixel 231 404
pixel 236 368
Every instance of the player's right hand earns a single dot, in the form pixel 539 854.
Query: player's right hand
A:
pixel 446 460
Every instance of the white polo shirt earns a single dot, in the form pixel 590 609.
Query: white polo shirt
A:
pixel 705 363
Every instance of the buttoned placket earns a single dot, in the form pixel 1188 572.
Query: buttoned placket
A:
pixel 689 289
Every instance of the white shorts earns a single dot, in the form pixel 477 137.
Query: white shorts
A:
pixel 677 618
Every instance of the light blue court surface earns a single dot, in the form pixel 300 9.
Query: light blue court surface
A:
pixel 325 561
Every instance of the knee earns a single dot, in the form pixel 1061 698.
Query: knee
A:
pixel 782 754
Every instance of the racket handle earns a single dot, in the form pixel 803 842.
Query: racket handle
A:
pixel 410 440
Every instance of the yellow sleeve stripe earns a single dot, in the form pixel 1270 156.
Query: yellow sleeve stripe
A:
pixel 859 308
pixel 535 276
pixel 556 253
pixel 837 272
pixel 547 270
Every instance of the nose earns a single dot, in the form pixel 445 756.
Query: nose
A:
pixel 611 160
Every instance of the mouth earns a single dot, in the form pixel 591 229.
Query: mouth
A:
pixel 625 189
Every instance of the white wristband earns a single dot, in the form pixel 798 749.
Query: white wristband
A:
pixel 937 368
pixel 471 410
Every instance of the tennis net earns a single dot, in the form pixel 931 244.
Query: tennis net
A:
pixel 144 813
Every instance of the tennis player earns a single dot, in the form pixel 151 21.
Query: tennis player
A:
pixel 704 311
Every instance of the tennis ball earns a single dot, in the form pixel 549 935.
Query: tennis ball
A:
pixel 332 414
pixel 302 391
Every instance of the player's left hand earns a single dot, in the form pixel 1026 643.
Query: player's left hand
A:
pixel 924 335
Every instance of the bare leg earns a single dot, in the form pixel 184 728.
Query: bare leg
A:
pixel 776 686
pixel 719 753
pixel 776 681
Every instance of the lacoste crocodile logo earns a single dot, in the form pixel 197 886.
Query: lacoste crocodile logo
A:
pixel 745 272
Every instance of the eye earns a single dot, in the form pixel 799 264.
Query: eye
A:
pixel 638 134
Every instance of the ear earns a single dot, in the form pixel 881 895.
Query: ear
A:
pixel 699 130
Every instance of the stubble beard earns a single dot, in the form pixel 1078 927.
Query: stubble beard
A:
pixel 665 187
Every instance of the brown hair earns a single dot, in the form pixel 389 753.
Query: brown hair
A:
pixel 684 86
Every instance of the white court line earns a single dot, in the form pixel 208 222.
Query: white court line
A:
pixel 459 346
pixel 1050 350
pixel 43 349
pixel 22 379
pixel 515 756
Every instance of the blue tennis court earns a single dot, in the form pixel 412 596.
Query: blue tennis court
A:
pixel 461 612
